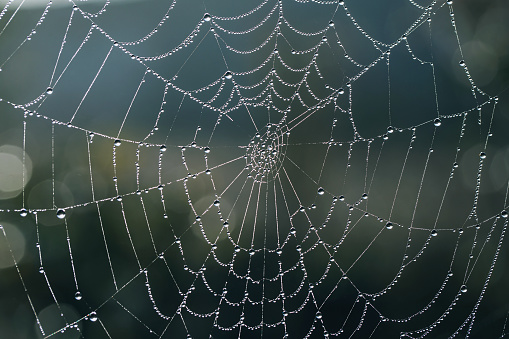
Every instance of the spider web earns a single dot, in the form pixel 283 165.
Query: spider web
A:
pixel 251 169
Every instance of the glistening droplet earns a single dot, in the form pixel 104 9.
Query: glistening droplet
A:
pixel 60 214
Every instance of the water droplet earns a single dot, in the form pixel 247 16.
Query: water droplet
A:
pixel 60 214
pixel 117 143
pixel 390 129
pixel 49 91
pixel 23 213
pixel 251 252
pixel 437 122
pixel 321 191
pixel 341 198
pixel 482 155
pixel 389 225
pixel 434 233
pixel 228 75
pixel 78 296
pixel 364 196
pixel 93 317
pixel 41 269
pixel 216 203
pixel 206 150
pixel 331 23
pixel 504 214
pixel 302 209
pixel 237 249
pixel 463 288
pixel 318 315
pixel 462 63
pixel 162 148
pixel 207 17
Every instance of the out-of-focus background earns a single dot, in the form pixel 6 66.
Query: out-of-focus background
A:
pixel 45 165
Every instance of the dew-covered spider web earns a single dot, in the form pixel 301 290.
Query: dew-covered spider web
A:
pixel 241 169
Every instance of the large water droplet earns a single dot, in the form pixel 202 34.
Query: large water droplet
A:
pixel 504 214
pixel 207 17
pixel 117 143
pixel 60 214
pixel 389 226
pixel 23 213
pixel 463 288
pixel 437 122
pixel 321 191
pixel 49 91
pixel 93 317
pixel 78 296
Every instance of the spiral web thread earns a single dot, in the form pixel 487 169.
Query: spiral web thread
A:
pixel 262 252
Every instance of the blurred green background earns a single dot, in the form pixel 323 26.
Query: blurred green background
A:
pixel 56 171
